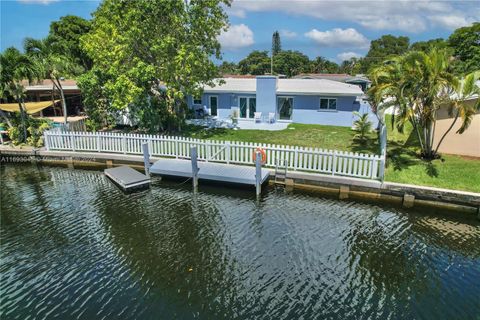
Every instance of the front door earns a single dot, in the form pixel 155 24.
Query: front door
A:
pixel 247 107
pixel 213 106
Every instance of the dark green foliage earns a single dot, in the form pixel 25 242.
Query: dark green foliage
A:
pixel 65 36
pixel 291 63
pixel 228 68
pixel 34 127
pixel 352 66
pixel 276 44
pixel 257 63
pixel 428 45
pixel 322 65
pixel 465 43
pixel 384 47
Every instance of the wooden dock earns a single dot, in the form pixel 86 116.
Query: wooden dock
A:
pixel 127 178
pixel 209 171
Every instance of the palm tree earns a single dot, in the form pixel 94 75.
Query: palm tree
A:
pixel 418 84
pixel 362 126
pixel 461 92
pixel 16 67
pixel 55 65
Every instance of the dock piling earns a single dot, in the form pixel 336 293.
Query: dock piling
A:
pixel 146 159
pixel 258 172
pixel 193 153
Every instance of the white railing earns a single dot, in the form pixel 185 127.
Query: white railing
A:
pixel 230 152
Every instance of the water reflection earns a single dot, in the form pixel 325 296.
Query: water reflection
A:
pixel 74 246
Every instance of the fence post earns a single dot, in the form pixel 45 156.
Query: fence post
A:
pixel 146 159
pixel 258 172
pixel 295 159
pixel 72 140
pixel 208 151
pixel 334 166
pixel 381 174
pixel 124 145
pixel 99 147
pixel 176 148
pixel 227 146
pixel 193 156
pixel 47 142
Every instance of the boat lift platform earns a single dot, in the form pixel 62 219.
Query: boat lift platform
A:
pixel 127 178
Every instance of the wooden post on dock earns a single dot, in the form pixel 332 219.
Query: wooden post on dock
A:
pixel 146 159
pixel 258 172
pixel 193 154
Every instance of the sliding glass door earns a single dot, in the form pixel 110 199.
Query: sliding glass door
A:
pixel 285 108
pixel 247 107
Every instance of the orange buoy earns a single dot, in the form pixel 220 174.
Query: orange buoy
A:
pixel 262 152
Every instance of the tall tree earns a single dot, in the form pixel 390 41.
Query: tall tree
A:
pixel 54 64
pixel 322 65
pixel 465 43
pixel 384 47
pixel 16 67
pixel 228 68
pixel 428 45
pixel 257 63
pixel 352 66
pixel 65 35
pixel 291 63
pixel 153 53
pixel 276 44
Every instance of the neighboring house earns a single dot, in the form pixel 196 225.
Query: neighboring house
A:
pixel 467 143
pixel 359 79
pixel 309 101
pixel 43 91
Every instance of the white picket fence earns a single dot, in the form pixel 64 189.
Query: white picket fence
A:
pixel 230 152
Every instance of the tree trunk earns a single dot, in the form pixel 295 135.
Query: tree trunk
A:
pixel 22 115
pixel 4 116
pixel 64 105
pixel 446 132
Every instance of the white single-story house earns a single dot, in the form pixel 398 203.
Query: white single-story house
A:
pixel 268 99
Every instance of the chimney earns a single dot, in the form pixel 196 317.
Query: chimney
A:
pixel 266 94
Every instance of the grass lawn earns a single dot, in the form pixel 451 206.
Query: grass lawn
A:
pixel 403 163
pixel 305 135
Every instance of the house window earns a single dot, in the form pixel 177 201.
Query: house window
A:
pixel 197 100
pixel 328 104
pixel 285 108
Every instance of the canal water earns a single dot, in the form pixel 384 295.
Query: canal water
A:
pixel 75 247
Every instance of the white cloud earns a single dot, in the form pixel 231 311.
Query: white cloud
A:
pixel 37 1
pixel 451 22
pixel 347 56
pixel 287 33
pixel 236 37
pixel 405 15
pixel 338 38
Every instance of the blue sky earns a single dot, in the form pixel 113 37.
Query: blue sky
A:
pixel 336 29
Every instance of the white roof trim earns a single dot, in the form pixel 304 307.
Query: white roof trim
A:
pixel 288 86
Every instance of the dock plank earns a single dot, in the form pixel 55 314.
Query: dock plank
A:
pixel 208 171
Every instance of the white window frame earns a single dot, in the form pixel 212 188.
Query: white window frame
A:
pixel 210 105
pixel 278 113
pixel 328 104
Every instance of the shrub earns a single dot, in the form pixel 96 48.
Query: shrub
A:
pixel 362 126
